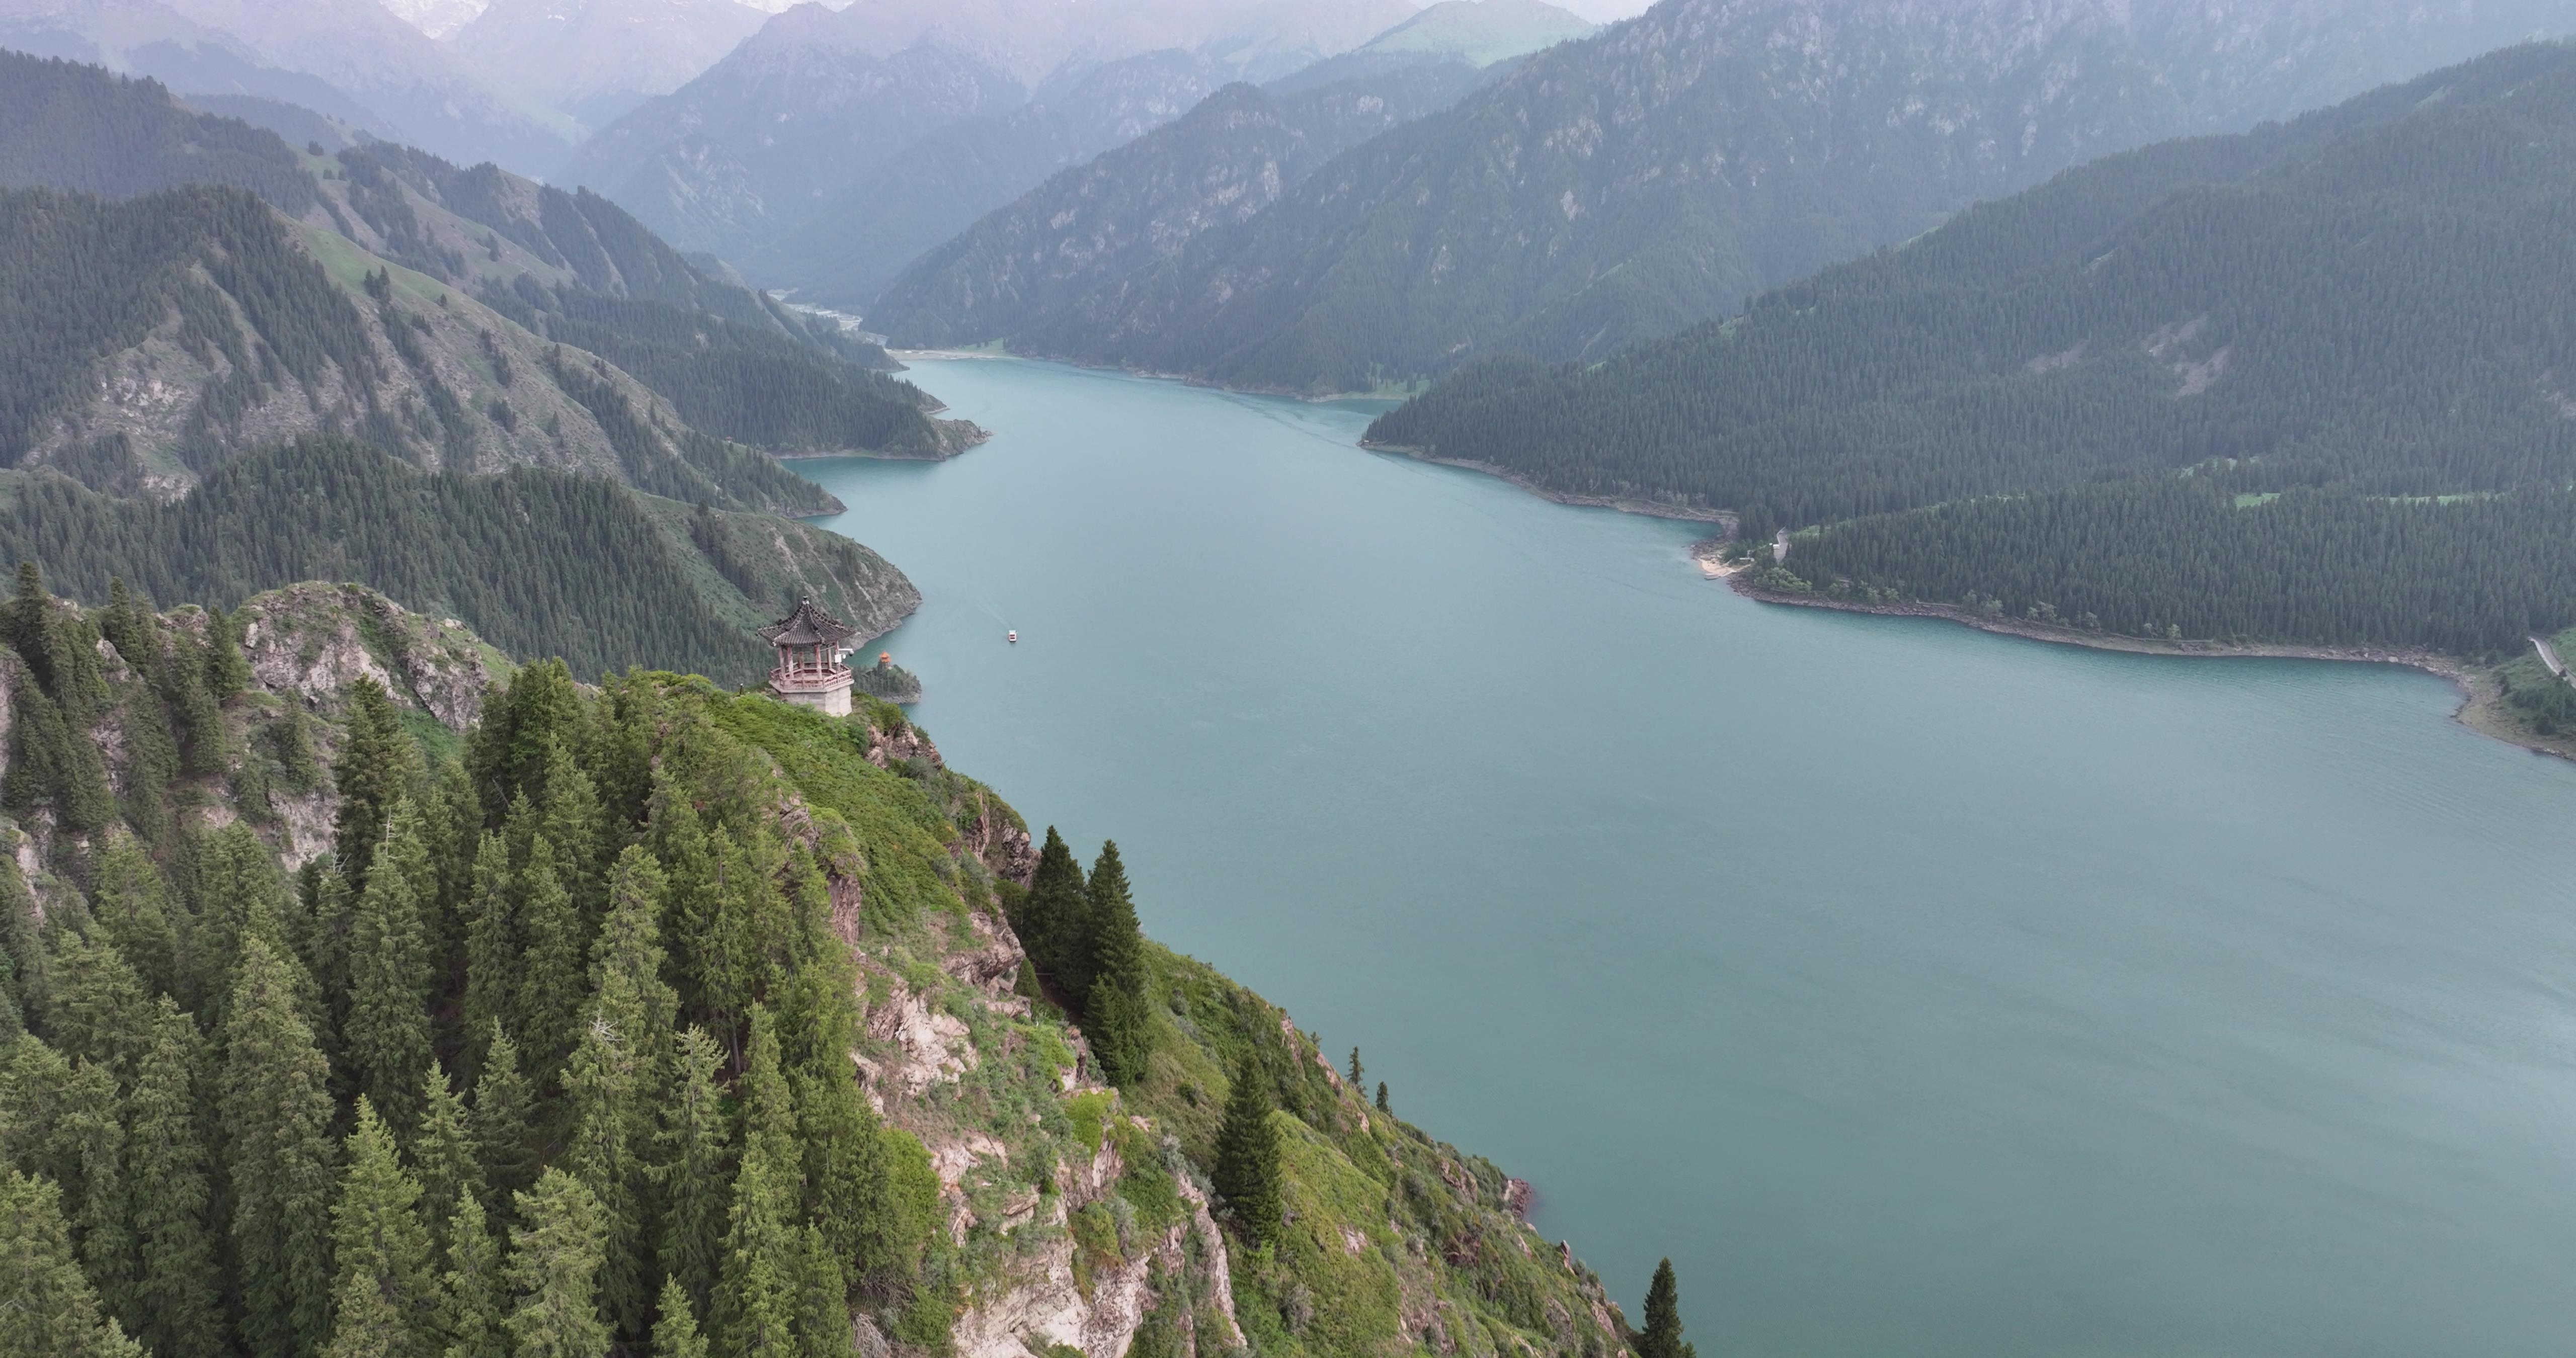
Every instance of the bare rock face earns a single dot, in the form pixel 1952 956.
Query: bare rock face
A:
pixel 311 641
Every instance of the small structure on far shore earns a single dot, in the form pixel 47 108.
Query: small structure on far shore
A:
pixel 810 671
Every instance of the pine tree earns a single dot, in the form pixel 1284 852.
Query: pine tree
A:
pixel 1381 1099
pixel 377 766
pixel 178 1293
pixel 1662 1337
pixel 552 967
pixel 577 827
pixel 131 901
pixel 606 1084
pixel 227 673
pixel 387 1035
pixel 276 1113
pixel 28 967
pixel 470 1311
pixel 47 1308
pixel 689 1167
pixel 239 894
pixel 1118 1015
pixel 503 1106
pixel 755 1304
pixel 627 958
pixel 100 1011
pixel 90 1132
pixel 1357 1070
pixel 823 1328
pixel 554 1272
pixel 442 1155
pixel 385 1304
pixel 1247 1172
pixel 676 1335
pixel 491 942
pixel 1050 925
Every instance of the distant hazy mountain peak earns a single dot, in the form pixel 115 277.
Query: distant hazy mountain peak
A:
pixel 1482 32
pixel 437 18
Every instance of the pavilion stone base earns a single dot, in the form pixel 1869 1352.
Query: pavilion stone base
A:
pixel 827 694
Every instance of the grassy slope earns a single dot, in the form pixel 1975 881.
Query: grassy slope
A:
pixel 1395 1240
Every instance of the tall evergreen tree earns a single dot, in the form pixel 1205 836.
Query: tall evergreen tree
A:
pixel 1247 1173
pixel 131 901
pixel 100 1013
pixel 391 972
pixel 91 1134
pixel 755 1304
pixel 689 1167
pixel 1662 1337
pixel 676 1334
pixel 385 1303
pixel 823 1327
pixel 471 1312
pixel 491 945
pixel 608 1082
pixel 1050 925
pixel 227 672
pixel 377 767
pixel 1118 1015
pixel 442 1155
pixel 178 1291
pixel 276 1112
pixel 47 1308
pixel 554 1272
pixel 503 1108
pixel 552 966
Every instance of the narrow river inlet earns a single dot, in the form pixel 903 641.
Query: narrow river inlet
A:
pixel 1918 991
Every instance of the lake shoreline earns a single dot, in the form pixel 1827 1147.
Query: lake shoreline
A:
pixel 1652 509
pixel 2481 706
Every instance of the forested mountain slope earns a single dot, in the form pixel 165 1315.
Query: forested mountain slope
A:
pixel 341 1001
pixel 1050 266
pixel 209 324
pixel 2307 384
pixel 539 561
pixel 1658 174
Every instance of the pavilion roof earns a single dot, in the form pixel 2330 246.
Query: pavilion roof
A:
pixel 807 626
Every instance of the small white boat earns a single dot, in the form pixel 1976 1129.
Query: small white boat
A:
pixel 1012 637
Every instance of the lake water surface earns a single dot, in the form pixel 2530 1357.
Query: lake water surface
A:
pixel 1919 991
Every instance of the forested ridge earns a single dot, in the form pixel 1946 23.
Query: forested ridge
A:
pixel 570 1038
pixel 540 562
pixel 571 268
pixel 2357 312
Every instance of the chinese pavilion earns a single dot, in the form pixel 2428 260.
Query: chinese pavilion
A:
pixel 810 672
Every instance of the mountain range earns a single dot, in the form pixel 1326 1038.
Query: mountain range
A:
pixel 1629 184
pixel 2309 384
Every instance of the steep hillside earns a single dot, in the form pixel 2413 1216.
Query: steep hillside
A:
pixel 2166 394
pixel 508 273
pixel 850 244
pixel 1043 265
pixel 1631 184
pixel 1480 32
pixel 773 966
pixel 791 118
pixel 539 561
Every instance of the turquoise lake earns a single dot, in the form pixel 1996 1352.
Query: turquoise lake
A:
pixel 1918 991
